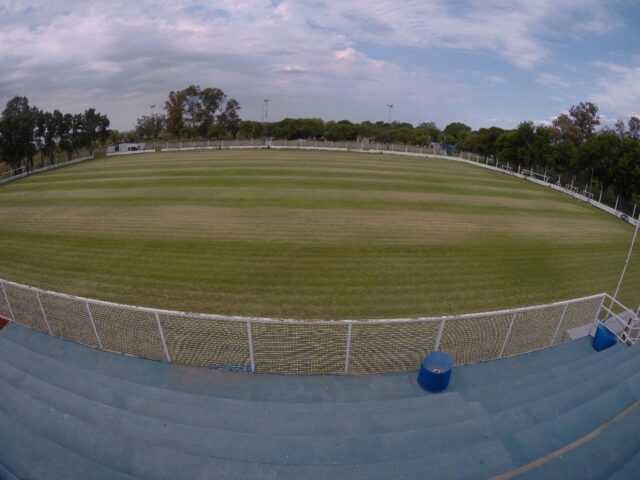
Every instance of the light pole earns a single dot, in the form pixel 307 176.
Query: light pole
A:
pixel 266 109
pixel 265 112
pixel 389 107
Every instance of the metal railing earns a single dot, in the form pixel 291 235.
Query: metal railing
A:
pixel 273 345
pixel 22 172
pixel 622 321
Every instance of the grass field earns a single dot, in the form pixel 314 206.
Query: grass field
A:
pixel 306 235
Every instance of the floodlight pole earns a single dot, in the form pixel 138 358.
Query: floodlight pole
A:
pixel 389 107
pixel 266 109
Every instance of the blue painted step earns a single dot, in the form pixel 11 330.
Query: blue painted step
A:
pixel 599 458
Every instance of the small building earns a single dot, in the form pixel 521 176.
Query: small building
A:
pixel 125 147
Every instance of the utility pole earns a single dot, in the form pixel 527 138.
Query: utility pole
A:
pixel 389 107
pixel 266 109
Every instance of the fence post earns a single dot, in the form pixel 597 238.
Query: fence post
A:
pixel 95 330
pixel 164 343
pixel 508 336
pixel 250 337
pixel 44 315
pixel 13 318
pixel 597 319
pixel 553 339
pixel 616 207
pixel 348 352
pixel 439 337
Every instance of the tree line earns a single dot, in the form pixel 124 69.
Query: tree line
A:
pixel 573 145
pixel 27 132
pixel 192 112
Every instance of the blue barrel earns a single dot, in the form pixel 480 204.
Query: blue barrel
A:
pixel 604 338
pixel 435 371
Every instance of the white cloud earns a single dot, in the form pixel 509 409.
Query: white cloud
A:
pixel 496 79
pixel 309 55
pixel 551 81
pixel 619 89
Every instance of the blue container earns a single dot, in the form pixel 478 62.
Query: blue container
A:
pixel 604 338
pixel 435 371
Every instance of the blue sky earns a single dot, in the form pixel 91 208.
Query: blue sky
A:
pixel 491 62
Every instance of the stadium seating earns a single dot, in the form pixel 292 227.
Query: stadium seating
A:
pixel 73 412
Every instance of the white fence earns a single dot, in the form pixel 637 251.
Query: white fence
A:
pixel 274 345
pixel 409 150
pixel 22 172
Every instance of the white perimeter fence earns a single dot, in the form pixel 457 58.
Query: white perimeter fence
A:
pixel 22 171
pixel 409 150
pixel 270 345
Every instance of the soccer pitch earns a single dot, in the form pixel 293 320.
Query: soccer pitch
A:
pixel 304 234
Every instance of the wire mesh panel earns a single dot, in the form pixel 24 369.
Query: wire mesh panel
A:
pixel 578 320
pixel 533 330
pixel 25 307
pixel 390 347
pixel 69 318
pixel 473 340
pixel 198 341
pixel 299 348
pixel 4 308
pixel 127 330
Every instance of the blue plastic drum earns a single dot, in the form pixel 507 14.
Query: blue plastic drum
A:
pixel 604 338
pixel 435 371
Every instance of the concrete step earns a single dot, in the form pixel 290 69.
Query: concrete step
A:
pixel 610 454
pixel 628 471
pixel 276 419
pixel 560 367
pixel 6 474
pixel 349 447
pixel 141 459
pixel 543 438
pixel 27 455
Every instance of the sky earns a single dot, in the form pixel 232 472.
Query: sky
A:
pixel 484 63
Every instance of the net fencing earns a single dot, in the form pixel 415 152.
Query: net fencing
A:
pixel 270 345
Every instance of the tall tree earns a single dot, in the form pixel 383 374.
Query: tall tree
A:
pixel 585 118
pixel 600 153
pixel 567 129
pixel 150 126
pixel 94 129
pixel 174 108
pixel 17 130
pixel 229 118
pixel 634 128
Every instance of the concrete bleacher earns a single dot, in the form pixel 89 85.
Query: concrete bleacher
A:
pixel 69 411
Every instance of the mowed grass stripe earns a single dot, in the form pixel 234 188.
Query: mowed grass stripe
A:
pixel 200 231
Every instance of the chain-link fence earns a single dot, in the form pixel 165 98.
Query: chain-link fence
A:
pixel 295 346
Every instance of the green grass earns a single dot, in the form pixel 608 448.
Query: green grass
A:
pixel 306 235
